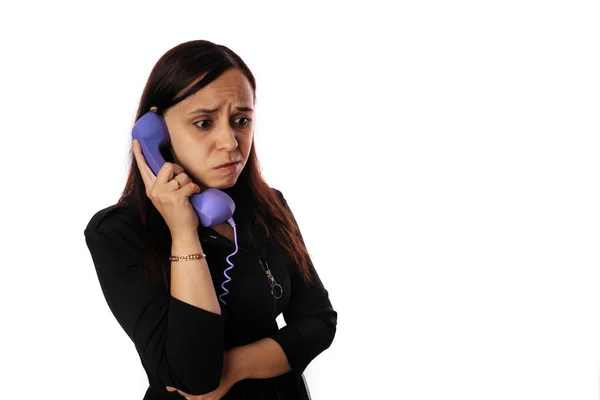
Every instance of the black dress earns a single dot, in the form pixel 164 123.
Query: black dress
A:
pixel 181 345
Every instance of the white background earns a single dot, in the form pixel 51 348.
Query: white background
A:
pixel 442 159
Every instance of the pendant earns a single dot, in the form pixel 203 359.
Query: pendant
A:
pixel 276 289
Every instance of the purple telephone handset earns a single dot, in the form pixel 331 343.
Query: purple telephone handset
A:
pixel 212 205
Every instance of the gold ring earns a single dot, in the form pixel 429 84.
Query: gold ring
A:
pixel 178 184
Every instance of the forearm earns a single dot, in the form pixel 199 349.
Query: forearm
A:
pixel 191 281
pixel 260 360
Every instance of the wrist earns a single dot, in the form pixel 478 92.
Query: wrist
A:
pixel 184 235
pixel 185 243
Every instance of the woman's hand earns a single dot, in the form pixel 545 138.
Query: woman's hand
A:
pixel 171 200
pixel 230 376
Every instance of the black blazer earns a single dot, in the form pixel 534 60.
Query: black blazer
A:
pixel 181 345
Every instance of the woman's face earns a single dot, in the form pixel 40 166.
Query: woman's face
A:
pixel 203 140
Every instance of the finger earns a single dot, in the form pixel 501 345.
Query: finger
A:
pixel 183 180
pixel 171 389
pixel 189 189
pixel 167 171
pixel 147 174
pixel 187 396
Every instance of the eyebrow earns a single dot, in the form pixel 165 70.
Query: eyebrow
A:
pixel 209 111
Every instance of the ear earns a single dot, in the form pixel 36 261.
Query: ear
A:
pixel 153 109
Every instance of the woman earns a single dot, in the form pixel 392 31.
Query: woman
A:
pixel 191 344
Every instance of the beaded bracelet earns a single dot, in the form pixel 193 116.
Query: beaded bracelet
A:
pixel 197 256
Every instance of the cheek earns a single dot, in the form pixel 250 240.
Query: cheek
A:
pixel 195 156
pixel 250 139
pixel 245 142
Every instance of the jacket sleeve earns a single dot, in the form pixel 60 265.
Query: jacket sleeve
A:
pixel 181 344
pixel 310 318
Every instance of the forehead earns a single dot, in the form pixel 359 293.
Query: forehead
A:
pixel 232 86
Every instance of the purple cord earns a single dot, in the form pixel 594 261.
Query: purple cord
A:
pixel 232 223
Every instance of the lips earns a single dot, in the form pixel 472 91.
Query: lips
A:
pixel 227 164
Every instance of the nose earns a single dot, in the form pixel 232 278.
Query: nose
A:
pixel 226 139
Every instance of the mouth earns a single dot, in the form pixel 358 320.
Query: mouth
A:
pixel 227 164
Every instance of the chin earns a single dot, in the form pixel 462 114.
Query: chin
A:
pixel 224 184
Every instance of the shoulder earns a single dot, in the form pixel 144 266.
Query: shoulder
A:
pixel 277 192
pixel 114 218
pixel 279 196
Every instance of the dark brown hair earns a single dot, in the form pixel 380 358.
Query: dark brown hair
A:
pixel 257 205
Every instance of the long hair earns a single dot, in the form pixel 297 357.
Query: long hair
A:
pixel 257 205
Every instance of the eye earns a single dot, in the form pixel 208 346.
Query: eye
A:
pixel 247 121
pixel 199 122
pixel 205 123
